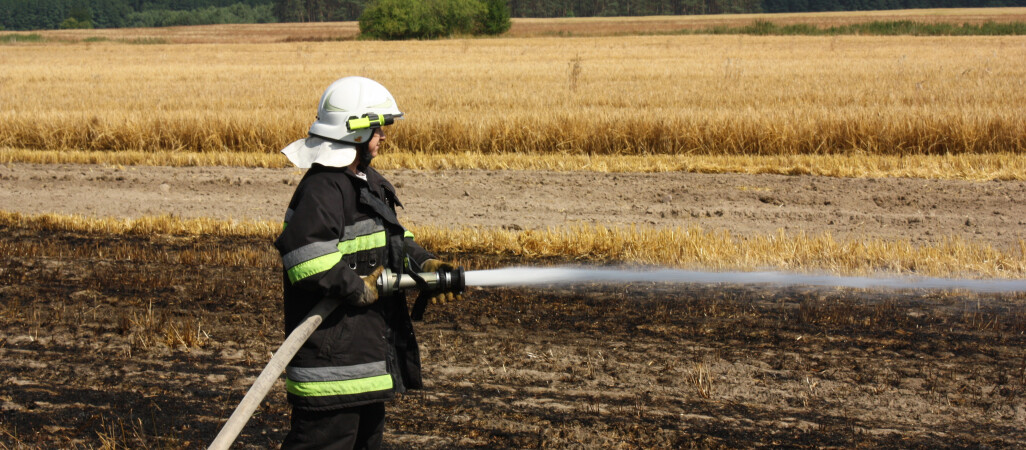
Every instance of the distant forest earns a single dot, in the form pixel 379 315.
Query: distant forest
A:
pixel 52 14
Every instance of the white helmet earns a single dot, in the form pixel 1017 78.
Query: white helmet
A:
pixel 354 98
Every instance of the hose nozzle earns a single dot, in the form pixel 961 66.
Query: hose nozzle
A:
pixel 441 281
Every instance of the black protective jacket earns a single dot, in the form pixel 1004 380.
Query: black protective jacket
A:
pixel 338 228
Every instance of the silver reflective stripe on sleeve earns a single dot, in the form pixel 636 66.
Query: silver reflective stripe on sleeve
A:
pixel 307 374
pixel 361 228
pixel 288 214
pixel 308 252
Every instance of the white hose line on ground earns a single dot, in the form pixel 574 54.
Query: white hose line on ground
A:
pixel 527 276
pixel 270 374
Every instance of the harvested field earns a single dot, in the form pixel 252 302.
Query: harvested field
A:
pixel 868 96
pixel 109 352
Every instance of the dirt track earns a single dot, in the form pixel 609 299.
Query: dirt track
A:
pixel 913 209
pixel 155 351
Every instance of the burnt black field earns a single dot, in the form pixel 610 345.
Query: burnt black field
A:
pixel 100 348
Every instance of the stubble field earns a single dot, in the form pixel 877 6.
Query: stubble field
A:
pixel 124 330
pixel 863 97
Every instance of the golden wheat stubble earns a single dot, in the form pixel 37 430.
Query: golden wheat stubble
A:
pixel 623 95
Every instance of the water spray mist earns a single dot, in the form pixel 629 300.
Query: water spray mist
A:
pixel 527 276
pixel 457 279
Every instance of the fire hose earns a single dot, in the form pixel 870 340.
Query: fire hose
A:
pixel 457 280
pixel 388 283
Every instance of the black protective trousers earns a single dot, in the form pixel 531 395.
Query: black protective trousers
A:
pixel 358 427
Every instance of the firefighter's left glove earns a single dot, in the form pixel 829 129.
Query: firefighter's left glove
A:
pixel 370 288
pixel 440 298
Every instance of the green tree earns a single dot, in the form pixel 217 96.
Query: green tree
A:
pixel 458 16
pixel 236 13
pixel 422 19
pixel 496 19
pixel 317 10
pixel 109 13
pixel 290 11
pixel 397 19
pixel 72 23
pixel 81 14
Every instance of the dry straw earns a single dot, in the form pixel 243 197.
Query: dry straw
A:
pixel 624 95
pixel 143 226
pixel 984 167
pixel 697 248
pixel 690 247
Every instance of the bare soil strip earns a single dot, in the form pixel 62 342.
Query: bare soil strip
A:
pixel 917 210
pixel 96 351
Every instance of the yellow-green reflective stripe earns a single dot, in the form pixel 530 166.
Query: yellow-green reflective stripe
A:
pixel 345 387
pixel 313 266
pixel 368 242
pixel 322 263
pixel 408 234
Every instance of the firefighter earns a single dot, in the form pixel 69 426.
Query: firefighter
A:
pixel 340 232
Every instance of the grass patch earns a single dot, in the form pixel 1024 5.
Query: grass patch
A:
pixel 146 41
pixel 318 39
pixel 906 27
pixel 875 28
pixel 15 38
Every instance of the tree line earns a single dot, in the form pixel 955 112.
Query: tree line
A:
pixel 52 14
pixel 330 10
pixel 775 6
pixel 591 8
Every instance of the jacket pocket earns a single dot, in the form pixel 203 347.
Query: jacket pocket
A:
pixel 334 337
pixel 361 338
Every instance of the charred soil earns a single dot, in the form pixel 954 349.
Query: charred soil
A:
pixel 155 350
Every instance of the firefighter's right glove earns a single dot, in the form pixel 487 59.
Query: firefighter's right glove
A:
pixel 370 288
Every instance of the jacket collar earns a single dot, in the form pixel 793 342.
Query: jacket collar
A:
pixel 377 183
